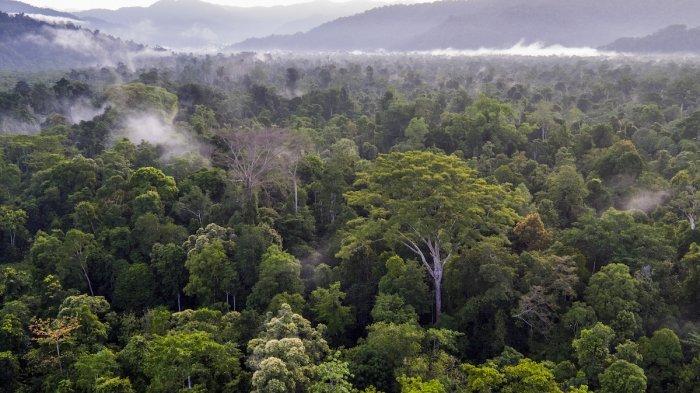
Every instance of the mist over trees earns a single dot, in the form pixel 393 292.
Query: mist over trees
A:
pixel 387 223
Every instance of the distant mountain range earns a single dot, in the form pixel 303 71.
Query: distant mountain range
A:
pixel 195 23
pixel 473 24
pixel 673 39
pixel 30 44
pixel 17 7
pixel 326 25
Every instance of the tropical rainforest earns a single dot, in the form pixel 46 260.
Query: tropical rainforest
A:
pixel 397 223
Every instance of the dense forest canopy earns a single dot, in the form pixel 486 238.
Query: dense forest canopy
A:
pixel 279 223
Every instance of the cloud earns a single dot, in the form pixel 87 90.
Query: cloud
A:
pixel 10 125
pixel 536 49
pixel 51 19
pixel 646 201
pixel 96 49
pixel 83 110
pixel 152 128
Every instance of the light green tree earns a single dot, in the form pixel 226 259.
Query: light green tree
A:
pixel 593 349
pixel 431 203
pixel 284 355
pixel 12 221
pixel 191 360
pixel 611 291
pixel 279 272
pixel 623 377
pixel 332 376
pixel 327 305
pixel 212 275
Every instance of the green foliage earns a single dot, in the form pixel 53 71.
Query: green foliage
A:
pixel 193 360
pixel 212 276
pixel 417 385
pixel 285 354
pixel 279 272
pixel 327 305
pixel 427 214
pixel 332 376
pixel 611 291
pixel 623 377
pixel 524 376
pixel 593 350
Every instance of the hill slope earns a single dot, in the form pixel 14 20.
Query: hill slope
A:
pixel 18 7
pixel 494 23
pixel 27 43
pixel 673 39
pixel 195 23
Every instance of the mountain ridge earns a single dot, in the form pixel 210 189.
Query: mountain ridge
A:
pixel 196 23
pixel 672 39
pixel 472 24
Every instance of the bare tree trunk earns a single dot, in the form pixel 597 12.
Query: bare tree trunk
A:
pixel 58 355
pixel 87 278
pixel 435 267
pixel 296 195
pixel 438 299
pixel 179 307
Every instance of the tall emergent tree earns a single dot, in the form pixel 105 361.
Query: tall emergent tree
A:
pixel 254 155
pixel 431 203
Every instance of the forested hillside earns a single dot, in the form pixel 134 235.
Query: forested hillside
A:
pixel 30 44
pixel 673 39
pixel 375 224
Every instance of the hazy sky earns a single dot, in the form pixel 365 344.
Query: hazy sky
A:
pixel 113 4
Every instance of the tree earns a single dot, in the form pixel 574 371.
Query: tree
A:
pixel 567 189
pixel 90 368
pixel 284 355
pixel 662 358
pixel 253 156
pixel 76 248
pixel 113 385
pixel 12 221
pixel 55 332
pixel 9 372
pixel 617 236
pixel 211 273
pixel 392 309
pixel 611 291
pixel 623 377
pixel 327 305
pixel 279 272
pixel 531 233
pixel 168 262
pixel 133 288
pixel 332 376
pixel 593 349
pixel 525 376
pixel 191 360
pixel 296 147
pixel 90 312
pixel 432 204
pixel 686 196
pixel 415 134
pixel 407 280
pixel 417 385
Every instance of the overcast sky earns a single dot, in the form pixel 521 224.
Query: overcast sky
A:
pixel 72 5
